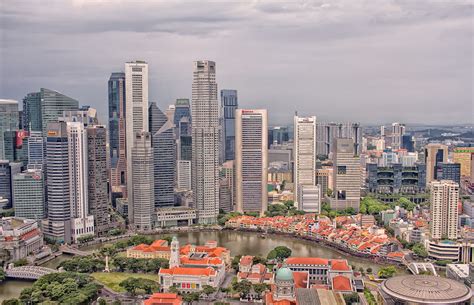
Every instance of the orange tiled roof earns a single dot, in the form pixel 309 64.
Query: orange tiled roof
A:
pixel 246 260
pixel 301 279
pixel 395 254
pixel 189 271
pixel 203 261
pixel 306 261
pixel 163 299
pixel 339 265
pixel 341 283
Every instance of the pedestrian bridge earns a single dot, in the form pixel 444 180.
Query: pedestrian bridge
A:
pixel 28 272
pixel 73 251
pixel 417 268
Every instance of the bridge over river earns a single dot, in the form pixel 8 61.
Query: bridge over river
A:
pixel 28 272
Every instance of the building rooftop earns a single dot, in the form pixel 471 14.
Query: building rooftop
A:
pixel 426 289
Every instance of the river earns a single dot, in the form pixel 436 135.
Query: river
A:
pixel 238 243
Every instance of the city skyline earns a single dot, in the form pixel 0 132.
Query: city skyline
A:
pixel 347 55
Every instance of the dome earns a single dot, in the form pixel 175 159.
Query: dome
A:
pixel 284 274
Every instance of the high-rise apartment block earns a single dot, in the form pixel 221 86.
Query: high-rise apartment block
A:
pixel 229 104
pixel 434 154
pixel 251 127
pixel 117 133
pixel 136 118
pixel 347 175
pixel 205 141
pixel 142 178
pixel 444 198
pixel 462 155
pixel 304 153
pixel 9 122
pixel 398 130
pixel 309 198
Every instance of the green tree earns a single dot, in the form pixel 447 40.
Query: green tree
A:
pixel 11 302
pixel 351 298
pixel 20 262
pixel 406 204
pixel 3 275
pixel 281 252
pixel 235 262
pixel 243 287
pixel 387 272
pixel 191 297
pixel 329 192
pixel 208 290
pixel 259 288
pixel 419 250
pixel 173 289
pixel 130 285
pixel 369 270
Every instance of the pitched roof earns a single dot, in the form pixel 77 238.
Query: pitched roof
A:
pixel 339 265
pixel 306 261
pixel 163 299
pixel 188 271
pixel 341 283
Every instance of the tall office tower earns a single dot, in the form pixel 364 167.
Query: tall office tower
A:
pixel 136 118
pixel 9 121
pixel 382 131
pixel 183 175
pixel 183 133
pixel 36 151
pixel 278 135
pixel 408 143
pixel 327 132
pixel 462 155
pixel 32 112
pixel 398 130
pixel 7 172
pixel 58 225
pixel 304 154
pixel 53 105
pixel 164 163
pixel 82 223
pixel 156 118
pixel 444 197
pixel 97 180
pixel 229 104
pixel 29 195
pixel 205 142
pixel 117 134
pixel 346 171
pixel 227 173
pixel 449 171
pixel 434 154
pixel 225 195
pixel 142 178
pixel 324 178
pixel 251 165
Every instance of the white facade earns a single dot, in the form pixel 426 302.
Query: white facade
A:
pixel 304 153
pixel 81 222
pixel 398 130
pixel 136 103
pixel 309 198
pixel 184 174
pixel 444 197
pixel 205 144
pixel 251 138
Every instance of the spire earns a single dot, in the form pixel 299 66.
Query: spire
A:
pixel 174 257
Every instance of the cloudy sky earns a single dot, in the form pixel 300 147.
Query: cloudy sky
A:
pixel 351 60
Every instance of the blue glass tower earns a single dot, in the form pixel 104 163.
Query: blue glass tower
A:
pixel 229 103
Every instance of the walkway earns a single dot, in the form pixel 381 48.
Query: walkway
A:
pixel 73 251
pixel 416 268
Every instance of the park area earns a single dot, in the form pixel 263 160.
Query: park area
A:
pixel 112 280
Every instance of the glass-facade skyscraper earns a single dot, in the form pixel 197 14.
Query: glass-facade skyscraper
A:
pixel 8 123
pixel 53 104
pixel 229 104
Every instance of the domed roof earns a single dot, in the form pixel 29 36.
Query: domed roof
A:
pixel 284 274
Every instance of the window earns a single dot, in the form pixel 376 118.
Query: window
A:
pixel 341 170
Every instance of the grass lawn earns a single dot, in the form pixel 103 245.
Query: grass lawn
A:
pixel 113 279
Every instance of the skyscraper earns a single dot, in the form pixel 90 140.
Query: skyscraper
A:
pixel 164 157
pixel 462 155
pixel 327 132
pixel 182 122
pixel 227 184
pixel 117 134
pixel 53 104
pixel 229 104
pixel 205 146
pixel 449 171
pixel 58 226
pixel 304 153
pixel 398 130
pixel 97 177
pixel 347 173
pixel 251 165
pixel 7 172
pixel 434 154
pixel 32 112
pixel 142 178
pixel 82 223
pixel 444 196
pixel 36 151
pixel 136 105
pixel 9 121
pixel 29 194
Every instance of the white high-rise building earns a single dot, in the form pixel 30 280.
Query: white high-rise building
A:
pixel 184 174
pixel 136 118
pixel 205 143
pixel 82 223
pixel 251 145
pixel 309 198
pixel 143 181
pixel 398 130
pixel 304 154
pixel 444 198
